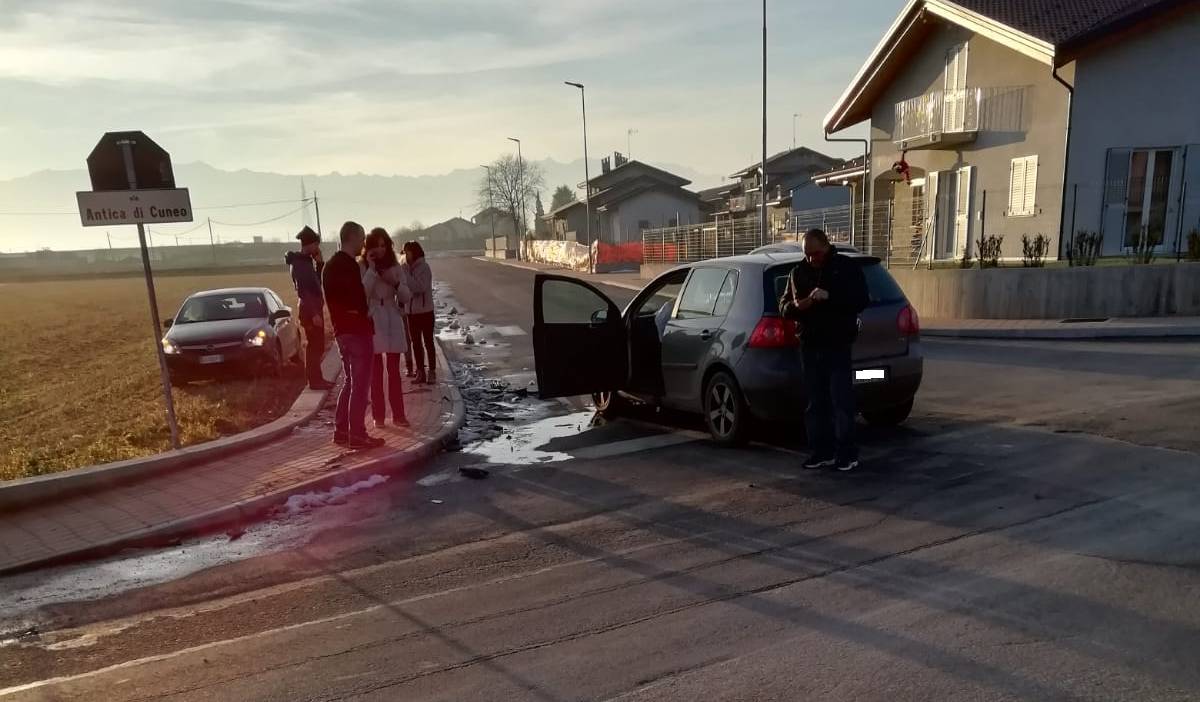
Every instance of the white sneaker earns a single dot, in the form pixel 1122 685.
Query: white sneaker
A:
pixel 847 466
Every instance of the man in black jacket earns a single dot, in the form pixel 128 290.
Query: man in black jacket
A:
pixel 306 265
pixel 825 294
pixel 354 333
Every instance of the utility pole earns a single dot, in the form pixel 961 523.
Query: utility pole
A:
pixel 587 185
pixel 762 217
pixel 211 243
pixel 795 116
pixel 317 205
pixel 521 190
pixel 629 142
pixel 491 207
pixel 165 376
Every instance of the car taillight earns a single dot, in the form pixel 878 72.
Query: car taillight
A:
pixel 908 323
pixel 774 333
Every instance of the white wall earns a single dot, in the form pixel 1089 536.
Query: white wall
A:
pixel 656 207
pixel 1139 93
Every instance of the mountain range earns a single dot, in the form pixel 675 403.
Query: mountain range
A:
pixel 39 211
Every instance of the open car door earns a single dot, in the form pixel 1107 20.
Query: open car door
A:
pixel 580 344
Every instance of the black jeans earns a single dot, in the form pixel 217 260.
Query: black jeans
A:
pixel 408 356
pixel 421 326
pixel 314 351
pixel 829 386
pixel 395 390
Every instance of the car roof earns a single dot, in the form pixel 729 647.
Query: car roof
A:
pixel 764 260
pixel 231 291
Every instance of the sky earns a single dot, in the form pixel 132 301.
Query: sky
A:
pixel 420 86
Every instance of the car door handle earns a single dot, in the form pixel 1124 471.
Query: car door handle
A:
pixel 706 335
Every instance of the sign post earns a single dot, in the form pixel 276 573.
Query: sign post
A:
pixel 115 202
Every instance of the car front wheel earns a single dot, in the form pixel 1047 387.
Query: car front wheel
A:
pixel 725 411
pixel 889 416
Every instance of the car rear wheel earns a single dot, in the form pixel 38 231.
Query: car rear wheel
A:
pixel 609 405
pixel 889 416
pixel 725 411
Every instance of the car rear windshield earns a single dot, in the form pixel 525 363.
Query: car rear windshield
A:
pixel 881 286
pixel 215 308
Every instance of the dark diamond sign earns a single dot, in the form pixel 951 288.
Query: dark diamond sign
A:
pixel 151 164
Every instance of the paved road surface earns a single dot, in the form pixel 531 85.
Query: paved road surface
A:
pixel 1030 534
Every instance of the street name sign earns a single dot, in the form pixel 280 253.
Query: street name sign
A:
pixel 105 209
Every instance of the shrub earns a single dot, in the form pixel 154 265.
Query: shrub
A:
pixel 1085 248
pixel 1142 251
pixel 1193 252
pixel 988 249
pixel 1033 251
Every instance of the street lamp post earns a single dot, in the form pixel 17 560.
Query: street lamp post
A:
pixel 587 187
pixel 491 207
pixel 762 216
pixel 520 189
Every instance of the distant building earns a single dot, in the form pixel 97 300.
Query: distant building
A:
pixel 626 198
pixel 787 172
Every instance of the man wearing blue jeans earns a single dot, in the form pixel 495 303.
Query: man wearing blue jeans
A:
pixel 354 333
pixel 826 292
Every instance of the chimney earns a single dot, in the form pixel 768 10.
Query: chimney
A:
pixel 619 159
pixel 605 165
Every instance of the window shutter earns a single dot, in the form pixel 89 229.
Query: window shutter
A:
pixel 1031 174
pixel 1016 188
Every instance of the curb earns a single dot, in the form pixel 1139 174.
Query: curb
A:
pixel 564 271
pixel 1067 334
pixel 26 492
pixel 255 508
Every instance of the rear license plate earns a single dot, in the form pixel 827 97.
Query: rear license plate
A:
pixel 209 360
pixel 870 375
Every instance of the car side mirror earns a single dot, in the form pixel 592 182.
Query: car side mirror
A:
pixel 280 314
pixel 167 323
pixel 599 317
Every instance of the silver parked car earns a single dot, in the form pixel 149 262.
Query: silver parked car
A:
pixel 708 338
pixel 233 329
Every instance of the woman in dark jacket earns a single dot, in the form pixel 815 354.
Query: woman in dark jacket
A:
pixel 420 312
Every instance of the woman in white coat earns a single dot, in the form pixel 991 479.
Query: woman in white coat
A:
pixel 387 286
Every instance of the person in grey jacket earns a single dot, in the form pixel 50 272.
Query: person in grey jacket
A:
pixel 386 283
pixel 420 312
pixel 306 265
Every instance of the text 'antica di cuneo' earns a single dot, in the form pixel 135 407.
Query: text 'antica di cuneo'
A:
pixel 106 214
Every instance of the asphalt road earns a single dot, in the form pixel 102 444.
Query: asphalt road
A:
pixel 1030 534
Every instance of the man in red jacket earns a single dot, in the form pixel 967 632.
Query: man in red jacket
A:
pixel 353 331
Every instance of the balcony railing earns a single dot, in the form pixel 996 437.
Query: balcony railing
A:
pixel 941 117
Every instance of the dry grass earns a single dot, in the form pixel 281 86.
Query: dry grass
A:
pixel 79 381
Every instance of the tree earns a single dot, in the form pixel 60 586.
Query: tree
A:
pixel 509 184
pixel 562 196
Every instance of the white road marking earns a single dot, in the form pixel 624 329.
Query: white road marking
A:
pixel 9 691
pixel 510 331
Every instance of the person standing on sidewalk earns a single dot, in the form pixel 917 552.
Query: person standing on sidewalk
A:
pixel 825 293
pixel 387 286
pixel 353 332
pixel 420 312
pixel 306 266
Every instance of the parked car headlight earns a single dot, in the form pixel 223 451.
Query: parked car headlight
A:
pixel 169 347
pixel 257 338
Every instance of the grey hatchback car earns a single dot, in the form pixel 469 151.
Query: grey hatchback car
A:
pixel 708 338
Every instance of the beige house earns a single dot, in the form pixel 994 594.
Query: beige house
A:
pixel 971 124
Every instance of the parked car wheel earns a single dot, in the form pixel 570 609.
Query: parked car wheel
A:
pixel 889 416
pixel 725 411
pixel 609 405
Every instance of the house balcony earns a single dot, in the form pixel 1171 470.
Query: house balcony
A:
pixel 941 119
pixel 744 203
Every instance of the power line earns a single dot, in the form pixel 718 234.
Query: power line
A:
pixel 265 221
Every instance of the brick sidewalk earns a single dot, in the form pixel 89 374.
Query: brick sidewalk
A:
pixel 211 492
